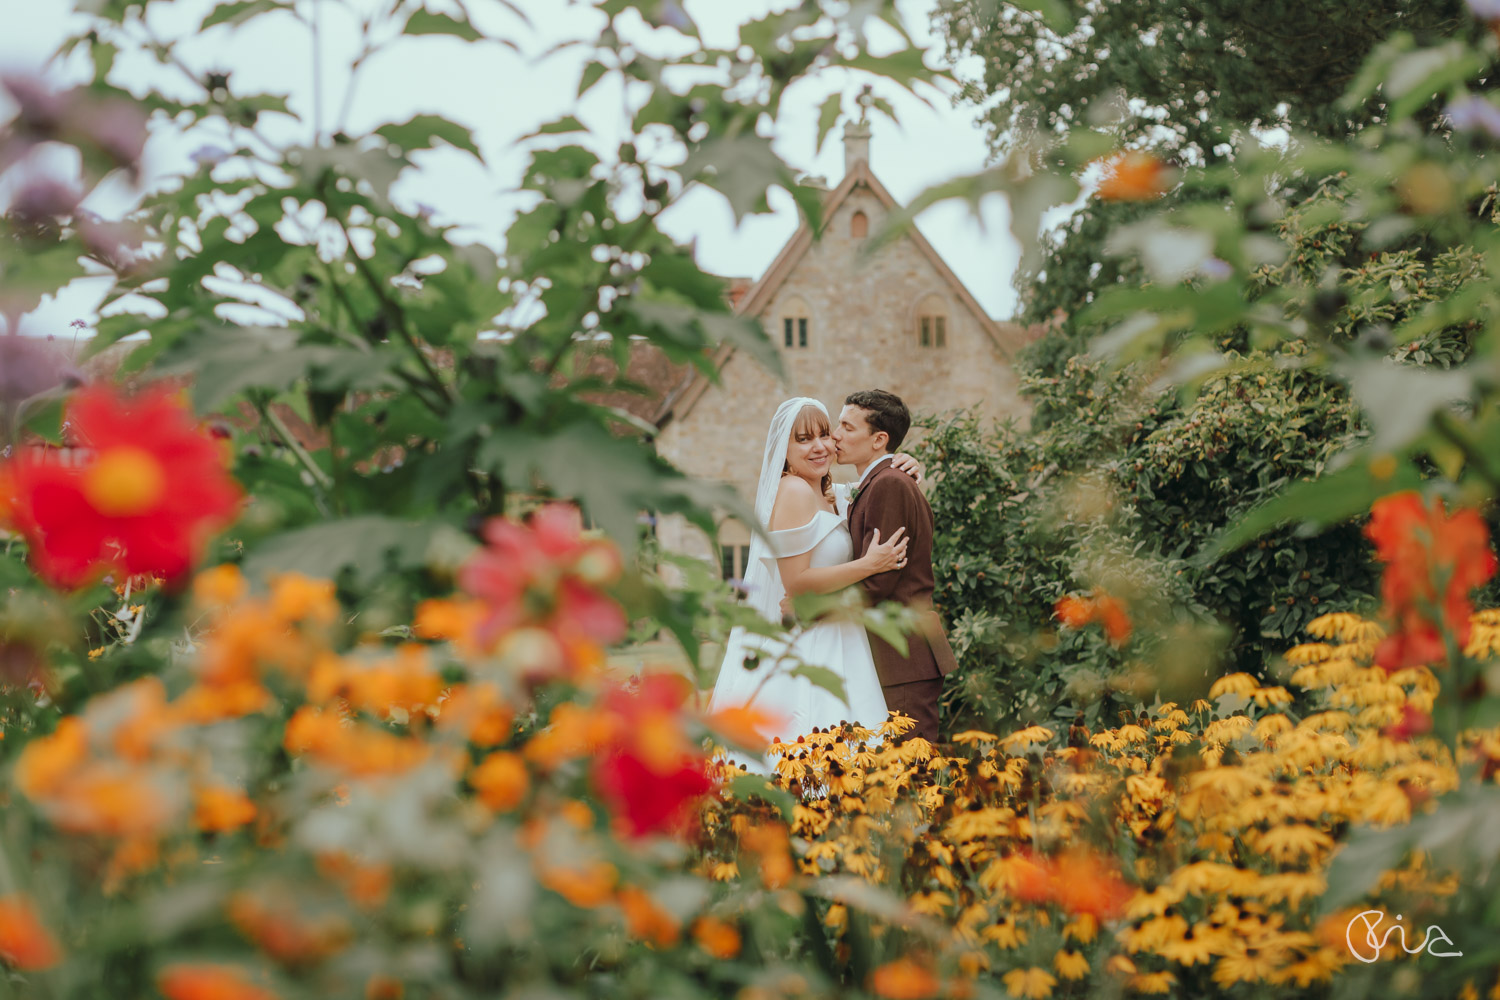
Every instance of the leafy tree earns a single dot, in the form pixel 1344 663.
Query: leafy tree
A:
pixel 450 383
pixel 1186 80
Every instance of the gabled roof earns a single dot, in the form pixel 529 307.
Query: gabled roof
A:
pixel 1006 337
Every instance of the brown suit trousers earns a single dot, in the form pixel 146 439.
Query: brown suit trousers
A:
pixel 889 500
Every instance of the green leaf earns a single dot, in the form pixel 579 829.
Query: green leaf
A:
pixel 568 124
pixel 741 168
pixel 425 22
pixel 747 786
pixel 240 11
pixel 905 66
pixel 365 546
pixel 592 74
pixel 695 328
pixel 613 478
pixel 421 131
pixel 232 359
pixel 820 677
pixel 1423 393
pixel 828 116
pixel 1315 504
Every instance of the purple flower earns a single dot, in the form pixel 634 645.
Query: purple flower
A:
pixel 117 127
pixel 211 155
pixel 44 198
pixel 1485 10
pixel 1475 114
pixel 1215 269
pixel 41 107
pixel 29 367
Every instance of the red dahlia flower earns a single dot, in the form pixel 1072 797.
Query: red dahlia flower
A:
pixel 151 490
pixel 652 773
pixel 545 573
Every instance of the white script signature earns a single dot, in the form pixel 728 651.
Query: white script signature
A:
pixel 1375 944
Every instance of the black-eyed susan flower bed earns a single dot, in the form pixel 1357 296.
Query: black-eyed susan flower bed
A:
pixel 1182 852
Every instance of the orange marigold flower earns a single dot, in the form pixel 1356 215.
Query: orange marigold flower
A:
pixel 204 981
pixel 25 942
pixel 380 987
pixel 107 798
pixel 717 937
pixel 501 781
pixel 206 703
pixel 297 598
pixel 219 586
pixel 285 932
pixel 366 883
pixel 1086 884
pixel 1029 880
pixel 47 761
pixel 746 726
pixel 479 711
pixel 646 920
pixel 586 886
pixel 904 979
pixel 1114 619
pixel 772 842
pixel 452 619
pixel 1074 611
pixel 1134 176
pixel 219 809
pixel 145 500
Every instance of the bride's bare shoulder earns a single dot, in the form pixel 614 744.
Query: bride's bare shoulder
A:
pixel 796 503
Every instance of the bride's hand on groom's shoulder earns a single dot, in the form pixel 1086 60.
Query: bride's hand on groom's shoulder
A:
pixel 902 462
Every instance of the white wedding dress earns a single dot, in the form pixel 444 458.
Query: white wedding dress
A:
pixel 841 647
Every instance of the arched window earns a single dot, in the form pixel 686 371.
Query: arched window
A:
pixel 859 226
pixel 932 322
pixel 795 318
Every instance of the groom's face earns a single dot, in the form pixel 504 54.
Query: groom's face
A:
pixel 854 441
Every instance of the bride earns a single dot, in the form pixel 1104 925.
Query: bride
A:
pixel 810 552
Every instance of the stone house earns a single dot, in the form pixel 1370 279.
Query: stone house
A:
pixel 843 319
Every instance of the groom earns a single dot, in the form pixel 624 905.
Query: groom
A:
pixel 870 429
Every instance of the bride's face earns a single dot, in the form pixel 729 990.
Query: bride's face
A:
pixel 809 454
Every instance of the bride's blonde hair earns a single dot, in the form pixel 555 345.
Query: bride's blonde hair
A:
pixel 814 422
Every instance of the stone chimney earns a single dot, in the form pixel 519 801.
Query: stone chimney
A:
pixel 856 144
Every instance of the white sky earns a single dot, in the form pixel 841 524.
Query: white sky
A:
pixel 501 96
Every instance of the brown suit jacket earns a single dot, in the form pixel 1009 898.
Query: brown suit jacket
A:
pixel 889 500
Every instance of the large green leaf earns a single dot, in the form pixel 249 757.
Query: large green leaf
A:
pixel 741 168
pixel 233 359
pixel 366 546
pixel 1422 392
pixel 696 329
pixel 616 479
pixel 421 131
pixel 828 116
pixel 1314 504
pixel 425 22
pixel 1461 837
pixel 241 11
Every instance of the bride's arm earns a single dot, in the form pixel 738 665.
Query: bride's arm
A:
pixel 796 504
pixel 902 462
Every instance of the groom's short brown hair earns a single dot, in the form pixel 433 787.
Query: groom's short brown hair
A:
pixel 886 413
